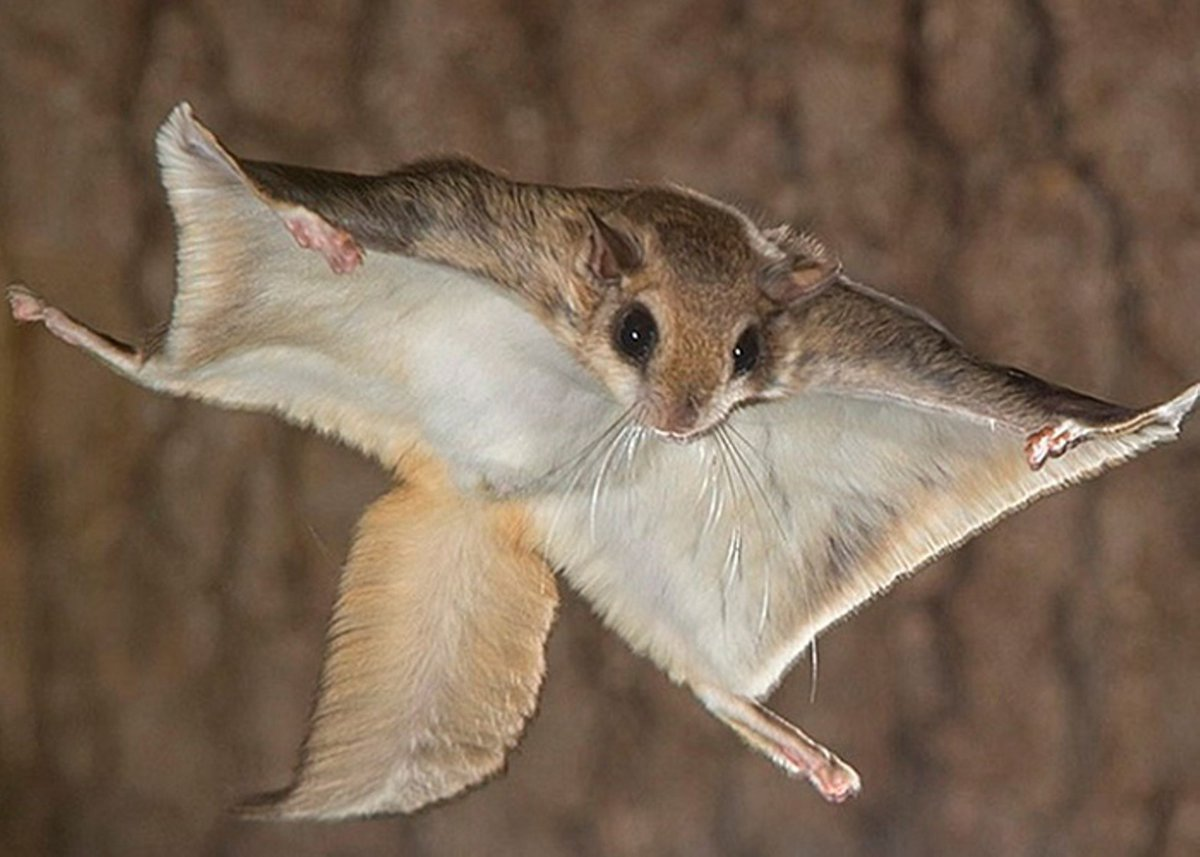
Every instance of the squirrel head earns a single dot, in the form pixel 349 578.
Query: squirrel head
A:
pixel 688 299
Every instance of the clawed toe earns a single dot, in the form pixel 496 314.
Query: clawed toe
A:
pixel 1052 441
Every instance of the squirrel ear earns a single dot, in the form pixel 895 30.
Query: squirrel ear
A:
pixel 612 253
pixel 810 275
pixel 809 266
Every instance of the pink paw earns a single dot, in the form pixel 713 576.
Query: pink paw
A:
pixel 25 305
pixel 311 232
pixel 1052 441
pixel 836 781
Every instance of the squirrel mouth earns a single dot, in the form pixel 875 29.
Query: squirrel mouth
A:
pixel 683 437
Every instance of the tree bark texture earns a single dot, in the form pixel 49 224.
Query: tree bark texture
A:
pixel 1027 170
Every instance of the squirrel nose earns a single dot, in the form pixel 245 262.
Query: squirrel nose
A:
pixel 681 416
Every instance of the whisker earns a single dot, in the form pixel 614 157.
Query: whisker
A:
pixel 812 676
pixel 631 448
pixel 733 552
pixel 756 497
pixel 576 468
pixel 765 610
pixel 759 496
pixel 744 467
pixel 732 571
pixel 733 562
pixel 712 488
pixel 598 482
pixel 570 465
pixel 746 444
pixel 633 445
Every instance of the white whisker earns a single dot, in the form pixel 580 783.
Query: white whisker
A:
pixel 712 488
pixel 765 610
pixel 812 679
pixel 573 471
pixel 760 501
pixel 634 443
pixel 571 465
pixel 746 444
pixel 734 551
pixel 733 560
pixel 602 473
pixel 743 466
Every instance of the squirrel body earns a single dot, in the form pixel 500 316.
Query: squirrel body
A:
pixel 716 436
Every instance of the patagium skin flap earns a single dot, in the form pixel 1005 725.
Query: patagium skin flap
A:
pixel 723 441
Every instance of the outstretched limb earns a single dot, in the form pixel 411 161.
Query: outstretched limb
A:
pixel 862 344
pixel 256 323
pixel 1052 441
pixel 783 743
pixel 30 308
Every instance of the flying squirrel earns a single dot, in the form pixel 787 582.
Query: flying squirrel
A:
pixel 711 431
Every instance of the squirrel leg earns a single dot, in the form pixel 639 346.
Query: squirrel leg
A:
pixel 783 743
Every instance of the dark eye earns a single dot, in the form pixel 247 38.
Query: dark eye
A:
pixel 636 334
pixel 747 351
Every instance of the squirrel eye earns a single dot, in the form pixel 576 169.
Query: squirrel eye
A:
pixel 746 351
pixel 636 334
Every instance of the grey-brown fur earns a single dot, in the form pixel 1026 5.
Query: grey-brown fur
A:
pixel 847 335
pixel 524 235
pixel 528 237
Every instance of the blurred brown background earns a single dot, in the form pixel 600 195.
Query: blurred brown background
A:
pixel 1028 170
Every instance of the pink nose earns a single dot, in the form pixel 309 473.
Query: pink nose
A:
pixel 680 417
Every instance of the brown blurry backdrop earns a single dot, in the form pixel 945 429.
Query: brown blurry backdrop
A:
pixel 1028 170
